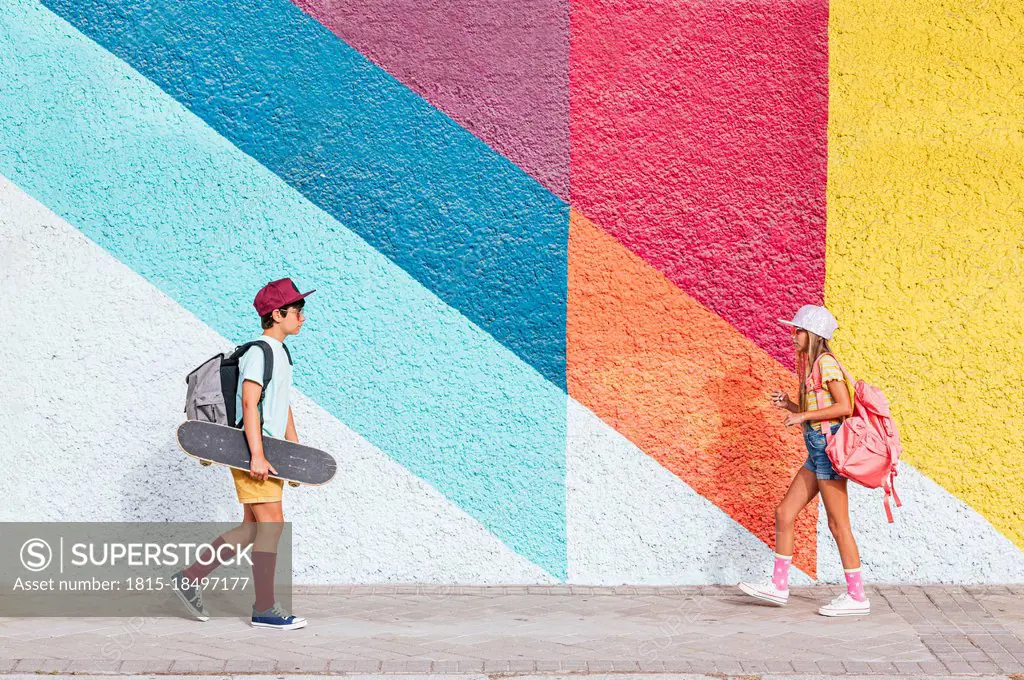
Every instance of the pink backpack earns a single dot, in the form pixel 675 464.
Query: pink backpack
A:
pixel 866 447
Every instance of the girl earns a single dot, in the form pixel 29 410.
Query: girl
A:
pixel 812 328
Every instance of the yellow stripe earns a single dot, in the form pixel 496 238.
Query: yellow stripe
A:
pixel 925 244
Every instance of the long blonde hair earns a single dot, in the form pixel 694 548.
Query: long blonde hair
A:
pixel 816 346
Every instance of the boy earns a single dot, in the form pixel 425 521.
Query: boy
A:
pixel 280 306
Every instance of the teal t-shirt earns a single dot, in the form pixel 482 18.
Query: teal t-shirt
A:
pixel 276 395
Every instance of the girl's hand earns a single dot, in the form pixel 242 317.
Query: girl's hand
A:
pixel 795 419
pixel 780 399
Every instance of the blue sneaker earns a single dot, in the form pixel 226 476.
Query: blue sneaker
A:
pixel 191 595
pixel 275 617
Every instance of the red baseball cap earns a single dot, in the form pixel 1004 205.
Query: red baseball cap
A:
pixel 277 294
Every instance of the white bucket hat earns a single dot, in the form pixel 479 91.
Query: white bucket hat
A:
pixel 815 319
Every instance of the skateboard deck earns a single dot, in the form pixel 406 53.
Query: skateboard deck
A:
pixel 225 445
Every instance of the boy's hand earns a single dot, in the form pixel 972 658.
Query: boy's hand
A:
pixel 260 468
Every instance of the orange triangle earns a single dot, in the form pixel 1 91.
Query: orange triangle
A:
pixel 682 384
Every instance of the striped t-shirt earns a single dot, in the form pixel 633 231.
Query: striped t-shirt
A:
pixel 830 371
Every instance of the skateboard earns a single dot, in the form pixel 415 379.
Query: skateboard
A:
pixel 226 445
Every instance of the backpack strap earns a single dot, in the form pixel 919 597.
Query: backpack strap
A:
pixel 288 353
pixel 268 363
pixel 818 388
pixel 890 490
pixel 816 372
pixel 268 370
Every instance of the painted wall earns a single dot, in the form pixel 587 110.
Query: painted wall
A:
pixel 926 232
pixel 551 244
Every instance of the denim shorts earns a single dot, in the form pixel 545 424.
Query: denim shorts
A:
pixel 817 460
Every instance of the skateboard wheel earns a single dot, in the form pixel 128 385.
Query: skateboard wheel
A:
pixel 293 484
pixel 205 463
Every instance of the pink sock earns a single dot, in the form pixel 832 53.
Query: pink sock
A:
pixel 855 584
pixel 780 575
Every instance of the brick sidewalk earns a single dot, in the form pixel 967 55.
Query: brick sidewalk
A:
pixel 912 631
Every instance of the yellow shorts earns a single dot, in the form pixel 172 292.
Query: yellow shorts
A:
pixel 250 490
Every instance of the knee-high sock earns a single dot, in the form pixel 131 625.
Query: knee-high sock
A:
pixel 212 560
pixel 263 566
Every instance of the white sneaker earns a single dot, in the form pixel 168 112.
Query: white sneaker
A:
pixel 766 591
pixel 844 605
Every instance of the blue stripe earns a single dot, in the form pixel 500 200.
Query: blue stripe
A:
pixel 463 220
pixel 151 183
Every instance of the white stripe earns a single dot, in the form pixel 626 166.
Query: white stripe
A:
pixel 629 520
pixel 936 538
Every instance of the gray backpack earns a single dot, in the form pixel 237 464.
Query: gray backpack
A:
pixel 213 386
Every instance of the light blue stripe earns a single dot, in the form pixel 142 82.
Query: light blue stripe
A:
pixel 147 180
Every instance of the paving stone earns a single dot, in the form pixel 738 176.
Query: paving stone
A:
pixel 572 666
pixel 645 666
pixel 405 666
pixel 250 666
pixel 1010 665
pixel 677 666
pixel 42 665
pixel 932 667
pixel 522 665
pixel 626 666
pixel 140 667
pixel 91 666
pixel 831 666
pixel 727 665
pixel 961 667
pixel 1005 660
pixel 496 666
pixel 902 667
pixel 1013 645
pixel 805 666
pixel 598 666
pixel 857 667
pixel 704 667
pixel 353 666
pixel 194 666
pixel 985 667
pixel 302 665
pixel 442 666
pixel 548 666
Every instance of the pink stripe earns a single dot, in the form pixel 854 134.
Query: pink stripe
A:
pixel 698 137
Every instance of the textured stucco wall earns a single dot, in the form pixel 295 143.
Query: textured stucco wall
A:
pixel 530 369
pixel 91 406
pixel 207 224
pixel 499 69
pixel 698 141
pixel 926 232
